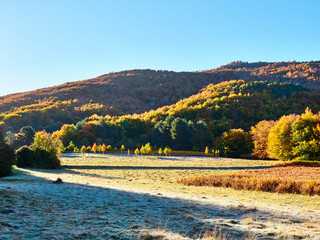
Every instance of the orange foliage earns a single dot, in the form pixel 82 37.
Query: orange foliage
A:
pixel 296 178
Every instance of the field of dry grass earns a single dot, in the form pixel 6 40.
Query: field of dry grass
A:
pixel 138 197
pixel 293 177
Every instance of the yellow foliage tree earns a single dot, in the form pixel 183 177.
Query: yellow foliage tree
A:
pixel 279 138
pixel 83 149
pixel 103 148
pixel 94 148
pixel 137 152
pixel 260 134
pixel 207 150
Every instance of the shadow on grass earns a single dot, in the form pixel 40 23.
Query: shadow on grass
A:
pixel 168 158
pixel 113 214
pixel 85 155
pixel 158 168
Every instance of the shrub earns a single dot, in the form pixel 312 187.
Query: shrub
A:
pixel 7 158
pixel 24 157
pixel 45 159
pixel 43 153
pixel 37 158
pixel 76 150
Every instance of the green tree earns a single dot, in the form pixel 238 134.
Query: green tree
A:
pixel 305 135
pixel 236 143
pixel 24 137
pixel 161 135
pixel 201 135
pixel 181 134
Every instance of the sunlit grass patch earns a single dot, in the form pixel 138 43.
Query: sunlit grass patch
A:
pixel 115 170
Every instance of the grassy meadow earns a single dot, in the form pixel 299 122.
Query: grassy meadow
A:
pixel 105 196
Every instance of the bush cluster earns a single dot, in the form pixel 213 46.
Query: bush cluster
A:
pixel 7 159
pixel 37 158
pixel 43 153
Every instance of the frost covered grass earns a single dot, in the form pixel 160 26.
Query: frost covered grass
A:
pixel 130 197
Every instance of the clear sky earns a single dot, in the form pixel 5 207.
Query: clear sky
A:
pixel 45 43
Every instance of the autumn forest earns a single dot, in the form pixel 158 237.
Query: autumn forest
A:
pixel 187 111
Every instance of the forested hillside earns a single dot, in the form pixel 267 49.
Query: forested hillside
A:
pixel 197 121
pixel 137 91
pixel 238 104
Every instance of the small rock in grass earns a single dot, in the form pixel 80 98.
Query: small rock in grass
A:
pixel 58 181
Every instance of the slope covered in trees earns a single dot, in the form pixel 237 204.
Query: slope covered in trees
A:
pixel 198 121
pixel 238 104
pixel 137 91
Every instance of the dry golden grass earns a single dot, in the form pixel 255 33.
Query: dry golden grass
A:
pixel 214 235
pixel 292 177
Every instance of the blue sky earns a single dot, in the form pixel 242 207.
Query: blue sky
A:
pixel 45 43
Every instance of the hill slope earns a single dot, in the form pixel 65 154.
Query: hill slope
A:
pixel 238 104
pixel 137 91
pixel 209 113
